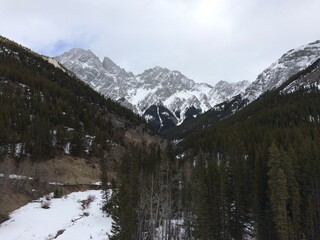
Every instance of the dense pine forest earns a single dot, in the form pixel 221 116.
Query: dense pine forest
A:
pixel 267 157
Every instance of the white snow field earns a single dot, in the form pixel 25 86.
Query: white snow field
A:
pixel 65 218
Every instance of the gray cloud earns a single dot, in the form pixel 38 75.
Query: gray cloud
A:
pixel 207 40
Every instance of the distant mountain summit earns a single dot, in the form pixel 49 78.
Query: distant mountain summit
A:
pixel 280 71
pixel 165 98
pixel 223 90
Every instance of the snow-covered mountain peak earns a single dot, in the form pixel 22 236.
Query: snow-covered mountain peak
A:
pixel 230 85
pixel 174 80
pixel 81 55
pixel 289 64
pixel 223 90
pixel 154 71
pixel 222 83
pixel 88 67
pixel 158 93
pixel 80 58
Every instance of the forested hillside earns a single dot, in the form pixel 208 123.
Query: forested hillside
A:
pixel 46 110
pixel 258 171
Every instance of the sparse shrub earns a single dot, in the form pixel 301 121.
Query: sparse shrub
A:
pixel 3 217
pixel 59 233
pixel 85 214
pixel 58 193
pixel 91 198
pixel 85 203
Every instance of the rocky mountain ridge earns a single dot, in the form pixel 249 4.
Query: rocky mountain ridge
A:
pixel 289 64
pixel 180 98
pixel 167 98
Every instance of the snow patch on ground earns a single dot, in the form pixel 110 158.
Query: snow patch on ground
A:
pixel 55 183
pixel 14 176
pixel 65 215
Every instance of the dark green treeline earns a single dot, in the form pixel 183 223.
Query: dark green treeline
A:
pixel 260 170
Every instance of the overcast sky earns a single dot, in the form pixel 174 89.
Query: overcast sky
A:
pixel 207 40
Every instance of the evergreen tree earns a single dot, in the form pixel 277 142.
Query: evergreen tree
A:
pixel 77 143
pixel 202 228
pixel 124 199
pixel 278 192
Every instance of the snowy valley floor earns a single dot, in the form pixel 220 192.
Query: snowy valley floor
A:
pixel 66 218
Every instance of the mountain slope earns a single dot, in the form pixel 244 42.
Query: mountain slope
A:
pixel 280 71
pixel 155 88
pixel 306 79
pixel 292 65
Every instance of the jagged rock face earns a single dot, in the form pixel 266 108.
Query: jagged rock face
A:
pixel 289 64
pixel 154 87
pixel 160 117
pixel 171 89
pixel 88 66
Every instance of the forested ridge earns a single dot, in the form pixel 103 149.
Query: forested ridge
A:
pixel 45 109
